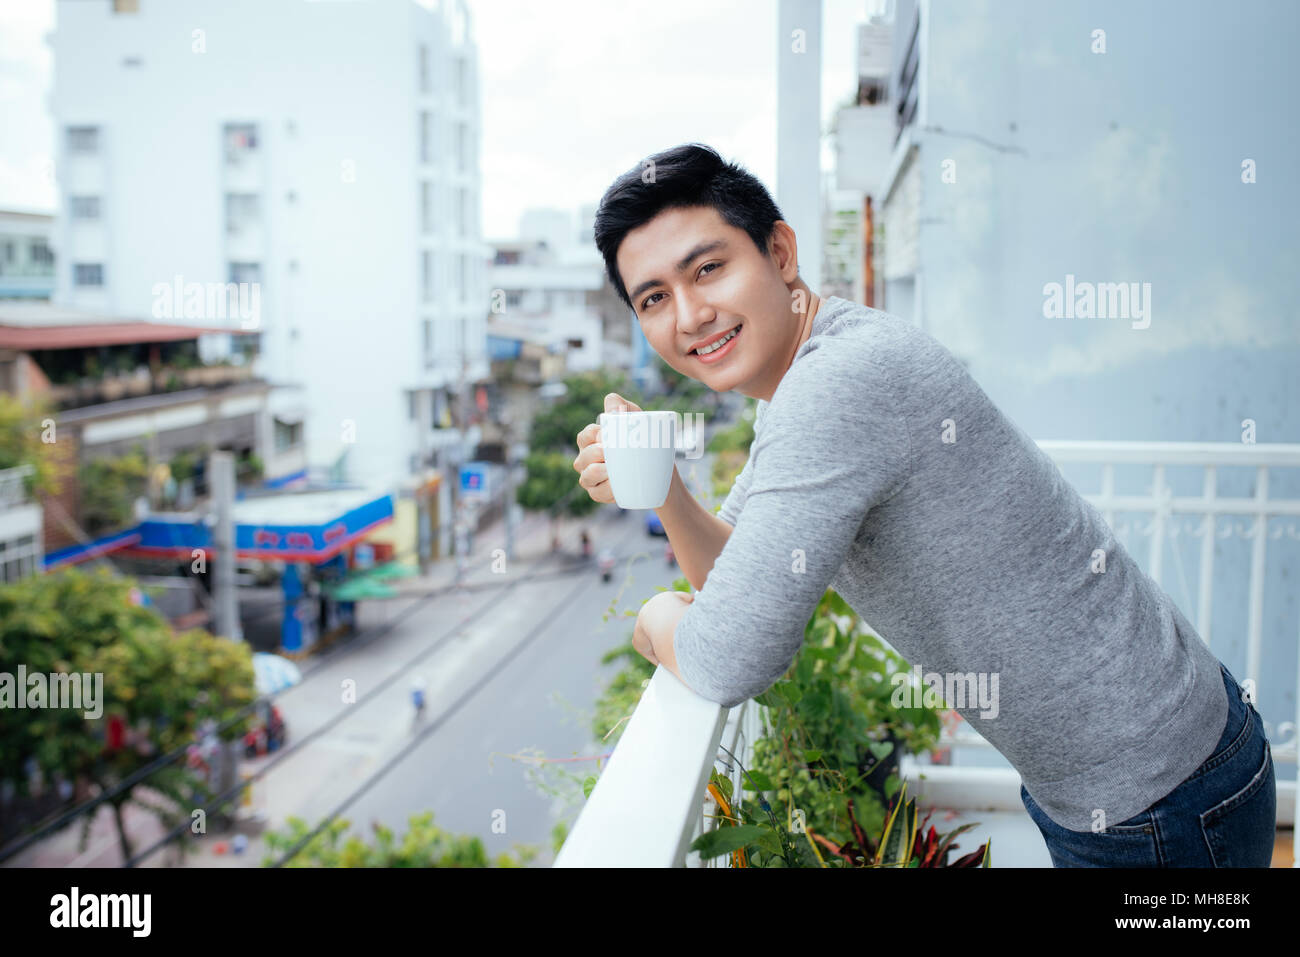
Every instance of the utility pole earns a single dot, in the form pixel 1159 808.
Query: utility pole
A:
pixel 424 538
pixel 509 491
pixel 461 510
pixel 221 468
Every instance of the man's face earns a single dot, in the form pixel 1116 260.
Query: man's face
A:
pixel 724 284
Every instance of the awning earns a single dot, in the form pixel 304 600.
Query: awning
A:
pixel 311 526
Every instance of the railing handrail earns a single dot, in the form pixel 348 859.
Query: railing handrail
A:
pixel 1173 453
pixel 648 799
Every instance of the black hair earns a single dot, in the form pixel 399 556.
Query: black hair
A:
pixel 688 175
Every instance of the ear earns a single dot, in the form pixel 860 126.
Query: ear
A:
pixel 784 251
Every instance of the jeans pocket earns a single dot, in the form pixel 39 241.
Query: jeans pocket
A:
pixel 1132 843
pixel 1240 830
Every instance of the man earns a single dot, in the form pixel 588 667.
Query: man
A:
pixel 880 468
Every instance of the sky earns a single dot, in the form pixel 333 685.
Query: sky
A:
pixel 613 82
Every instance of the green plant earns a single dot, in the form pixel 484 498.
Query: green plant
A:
pixel 758 839
pixel 424 845
pixel 24 429
pixel 620 697
pixel 183 465
pixel 249 465
pixel 735 438
pixel 832 726
pixel 903 844
pixel 834 723
pixel 121 362
pixel 109 488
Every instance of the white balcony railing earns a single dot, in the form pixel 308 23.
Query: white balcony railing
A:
pixel 1162 509
pixel 650 802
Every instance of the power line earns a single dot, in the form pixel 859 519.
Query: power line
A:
pixel 433 726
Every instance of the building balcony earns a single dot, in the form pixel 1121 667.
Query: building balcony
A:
pixel 651 802
pixel 142 382
pixel 13 486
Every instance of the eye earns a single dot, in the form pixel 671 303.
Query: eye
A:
pixel 646 302
pixel 707 265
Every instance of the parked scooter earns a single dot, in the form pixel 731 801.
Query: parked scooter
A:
pixel 606 561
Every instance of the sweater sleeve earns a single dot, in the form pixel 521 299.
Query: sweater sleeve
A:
pixel 832 447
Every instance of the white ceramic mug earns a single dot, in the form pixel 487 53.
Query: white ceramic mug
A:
pixel 639 449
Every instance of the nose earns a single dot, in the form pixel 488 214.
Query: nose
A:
pixel 693 314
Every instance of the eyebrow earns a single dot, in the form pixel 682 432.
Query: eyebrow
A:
pixel 696 253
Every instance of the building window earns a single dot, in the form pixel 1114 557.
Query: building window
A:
pixel 83 207
pixel 467 212
pixel 243 210
pixel 126 6
pixel 83 140
pixel 426 275
pixel 244 272
pixel 240 142
pixel 288 435
pixel 427 342
pixel 426 136
pixel 39 252
pixel 87 274
pixel 8 250
pixel 426 207
pixel 462 81
pixel 18 558
pixel 514 297
pixel 424 68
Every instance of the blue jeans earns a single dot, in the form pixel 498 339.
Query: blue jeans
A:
pixel 1223 815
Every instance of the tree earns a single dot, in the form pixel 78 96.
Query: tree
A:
pixel 556 427
pixel 550 482
pixel 109 488
pixel 161 687
pixel 424 845
pixel 21 428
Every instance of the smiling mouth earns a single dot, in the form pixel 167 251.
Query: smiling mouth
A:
pixel 719 343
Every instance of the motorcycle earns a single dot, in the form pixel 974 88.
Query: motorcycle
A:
pixel 606 562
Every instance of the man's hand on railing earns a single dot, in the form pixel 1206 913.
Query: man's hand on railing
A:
pixel 655 625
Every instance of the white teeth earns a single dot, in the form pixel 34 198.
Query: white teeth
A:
pixel 705 350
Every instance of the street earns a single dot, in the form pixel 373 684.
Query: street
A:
pixel 511 664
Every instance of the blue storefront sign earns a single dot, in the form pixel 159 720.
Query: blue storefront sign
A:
pixel 476 479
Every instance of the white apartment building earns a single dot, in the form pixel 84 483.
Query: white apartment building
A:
pixel 326 154
pixel 26 258
pixel 550 289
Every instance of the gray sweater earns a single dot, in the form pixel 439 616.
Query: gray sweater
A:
pixel 882 470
